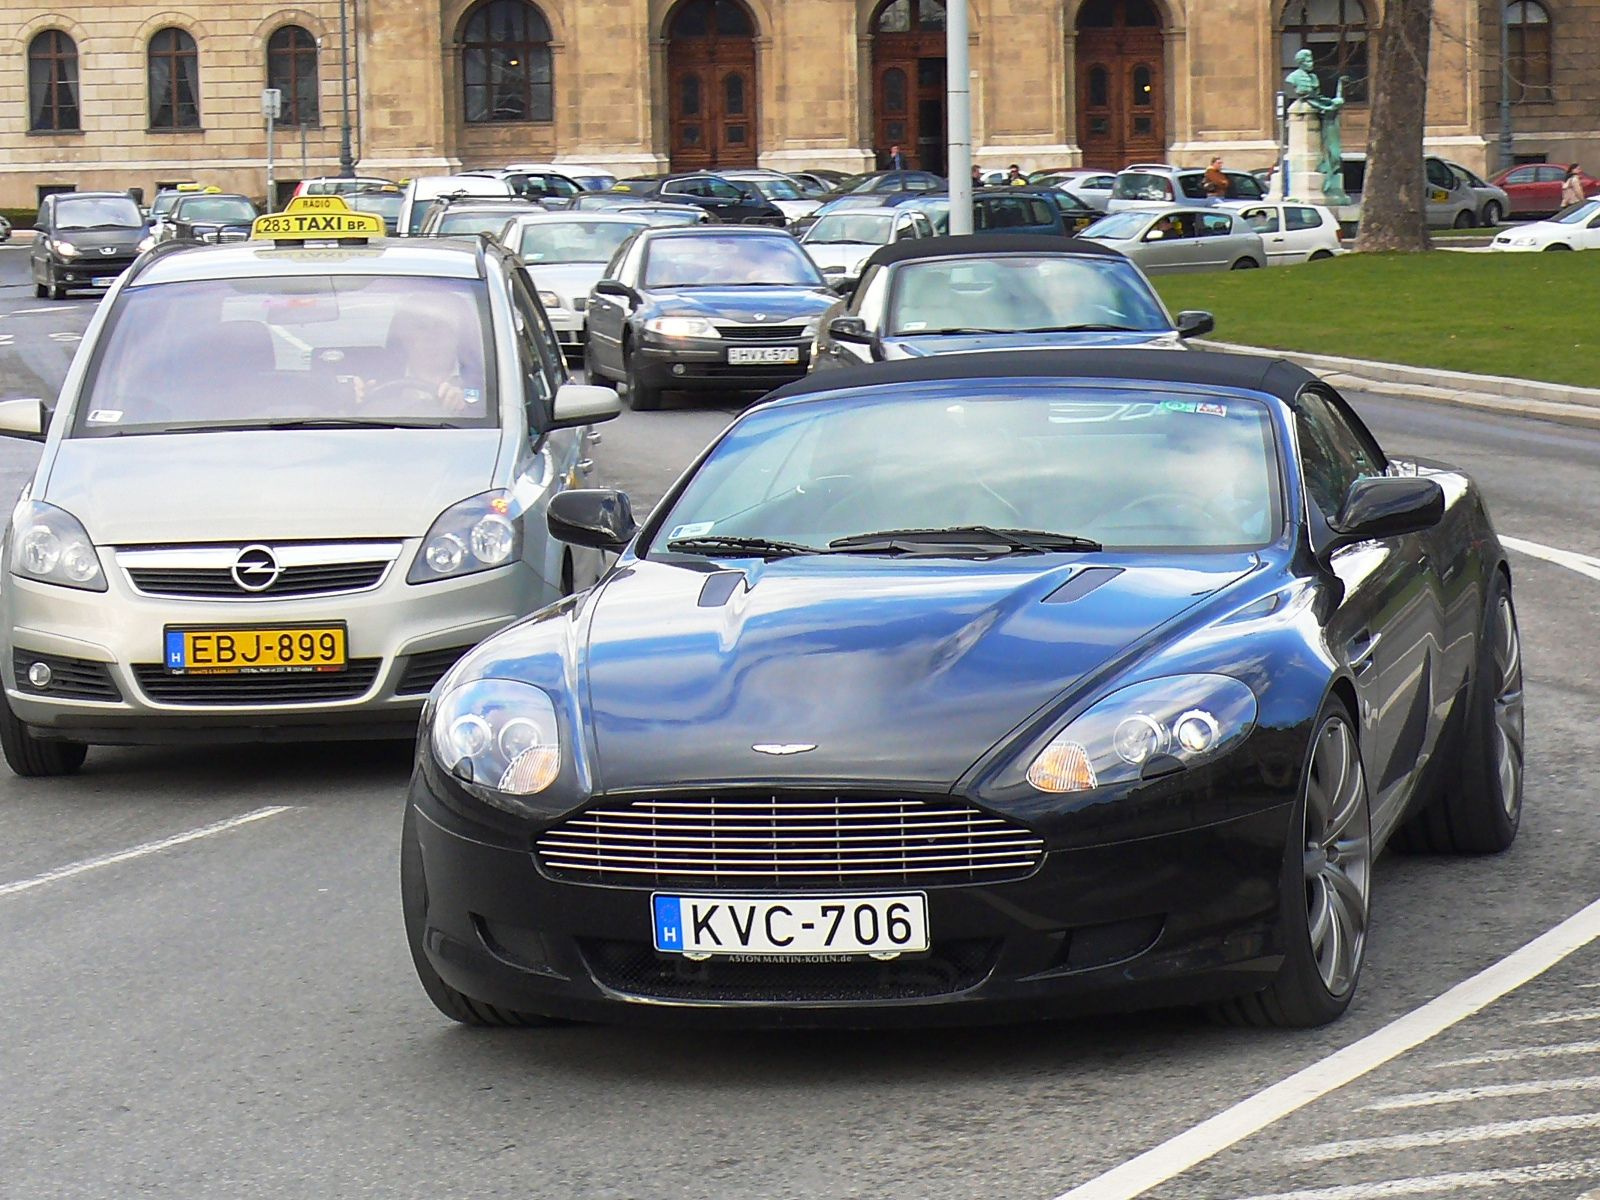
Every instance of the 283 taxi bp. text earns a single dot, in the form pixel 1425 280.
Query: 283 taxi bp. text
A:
pixel 985 685
pixel 287 484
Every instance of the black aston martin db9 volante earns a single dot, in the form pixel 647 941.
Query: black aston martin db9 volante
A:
pixel 979 687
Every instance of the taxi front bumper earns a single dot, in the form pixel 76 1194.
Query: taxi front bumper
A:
pixel 108 683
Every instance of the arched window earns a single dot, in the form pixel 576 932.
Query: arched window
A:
pixel 52 83
pixel 1335 31
pixel 710 18
pixel 905 16
pixel 1528 51
pixel 292 69
pixel 174 75
pixel 505 63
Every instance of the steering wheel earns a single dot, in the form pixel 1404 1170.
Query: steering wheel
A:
pixel 396 387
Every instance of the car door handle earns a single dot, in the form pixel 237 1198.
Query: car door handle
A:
pixel 1362 648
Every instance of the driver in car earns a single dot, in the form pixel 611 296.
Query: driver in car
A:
pixel 436 369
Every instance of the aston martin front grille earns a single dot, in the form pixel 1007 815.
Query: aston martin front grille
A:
pixel 794 840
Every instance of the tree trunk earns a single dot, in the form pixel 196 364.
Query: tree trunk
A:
pixel 1393 197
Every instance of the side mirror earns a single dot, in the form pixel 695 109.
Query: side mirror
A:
pixel 1194 322
pixel 845 287
pixel 849 329
pixel 615 287
pixel 749 193
pixel 579 404
pixel 600 518
pixel 1385 506
pixel 27 419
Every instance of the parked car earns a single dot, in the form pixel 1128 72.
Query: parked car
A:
pixel 727 202
pixel 1294 233
pixel 702 308
pixel 1090 186
pixel 550 189
pixel 590 179
pixel 207 217
pixel 422 190
pixel 948 295
pixel 854 201
pixel 566 253
pixel 663 212
pixel 83 240
pixel 1574 228
pixel 841 242
pixel 458 216
pixel 814 185
pixel 1534 189
pixel 779 189
pixel 1156 185
pixel 1179 240
pixel 1451 202
pixel 340 185
pixel 384 202
pixel 1019 208
pixel 889 181
pixel 1493 202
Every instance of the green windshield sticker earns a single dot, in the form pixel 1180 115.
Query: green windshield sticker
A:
pixel 1179 405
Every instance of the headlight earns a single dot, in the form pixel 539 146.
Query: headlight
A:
pixel 681 327
pixel 50 544
pixel 500 735
pixel 1156 727
pixel 550 300
pixel 478 534
pixel 65 249
pixel 1524 241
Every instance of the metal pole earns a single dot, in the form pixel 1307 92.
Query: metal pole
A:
pixel 1505 87
pixel 272 199
pixel 958 101
pixel 347 162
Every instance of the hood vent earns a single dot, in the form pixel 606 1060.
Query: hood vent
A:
pixel 1082 583
pixel 719 588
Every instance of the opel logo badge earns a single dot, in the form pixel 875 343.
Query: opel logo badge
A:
pixel 783 748
pixel 256 569
pixel 761 316
pixel 108 250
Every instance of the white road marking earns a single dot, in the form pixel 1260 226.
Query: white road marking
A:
pixel 140 851
pixel 1418 1185
pixel 1489 1091
pixel 23 312
pixel 1583 564
pixel 1255 1113
pixel 1443 1137
pixel 1558 1050
pixel 1592 1014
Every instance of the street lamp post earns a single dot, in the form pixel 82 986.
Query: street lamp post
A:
pixel 1505 86
pixel 347 162
pixel 958 103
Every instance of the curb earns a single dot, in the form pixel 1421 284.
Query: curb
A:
pixel 1491 393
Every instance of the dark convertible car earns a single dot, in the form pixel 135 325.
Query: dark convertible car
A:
pixel 979 687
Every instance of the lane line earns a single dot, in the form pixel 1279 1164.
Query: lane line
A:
pixel 1558 1050
pixel 1571 1018
pixel 1585 1169
pixel 1443 1137
pixel 1270 1105
pixel 1583 564
pixel 1488 1091
pixel 141 851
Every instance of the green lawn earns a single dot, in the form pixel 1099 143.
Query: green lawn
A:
pixel 1535 316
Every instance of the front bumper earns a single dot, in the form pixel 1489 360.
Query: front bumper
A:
pixel 569 327
pixel 695 363
pixel 1184 917
pixel 105 651
pixel 85 270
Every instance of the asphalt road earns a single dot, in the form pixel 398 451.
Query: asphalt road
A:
pixel 236 1015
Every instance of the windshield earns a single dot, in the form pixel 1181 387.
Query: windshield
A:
pixel 482 221
pixel 594 183
pixel 852 182
pixel 714 260
pixel 98 212
pixel 868 230
pixel 384 203
pixel 775 189
pixel 547 243
pixel 1123 466
pixel 1021 293
pixel 264 352
pixel 1118 226
pixel 163 203
pixel 1136 185
pixel 217 210
pixel 1578 213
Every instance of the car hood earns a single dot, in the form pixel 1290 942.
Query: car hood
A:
pixel 895 670
pixel 795 209
pixel 268 485
pixel 567 280
pixel 743 303
pixel 920 347
pixel 99 239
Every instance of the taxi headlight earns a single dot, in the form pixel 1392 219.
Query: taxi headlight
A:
pixel 51 545
pixel 500 735
pixel 550 300
pixel 1150 728
pixel 478 534
pixel 65 249
pixel 681 327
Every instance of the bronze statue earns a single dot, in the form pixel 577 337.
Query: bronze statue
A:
pixel 1304 85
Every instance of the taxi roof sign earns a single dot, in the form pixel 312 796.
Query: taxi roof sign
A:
pixel 317 217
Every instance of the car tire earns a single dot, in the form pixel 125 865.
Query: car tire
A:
pixel 1557 246
pixel 1321 255
pixel 641 396
pixel 57 291
pixel 1245 264
pixel 39 292
pixel 1478 808
pixel 34 757
pixel 1464 220
pixel 1491 215
pixel 414 900
pixel 1318 976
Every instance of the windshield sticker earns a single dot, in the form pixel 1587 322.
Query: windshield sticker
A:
pixel 104 416
pixel 471 395
pixel 1211 410
pixel 914 326
pixel 697 529
pixel 1179 405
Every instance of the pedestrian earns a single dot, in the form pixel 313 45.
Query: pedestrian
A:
pixel 1215 183
pixel 897 160
pixel 1572 187
pixel 1014 175
pixel 977 175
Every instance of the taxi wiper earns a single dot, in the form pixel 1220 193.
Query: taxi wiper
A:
pixel 759 547
pixel 311 423
pixel 981 538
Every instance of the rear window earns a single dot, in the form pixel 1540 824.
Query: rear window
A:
pixel 1136 185
pixel 217 210
pixel 1194 186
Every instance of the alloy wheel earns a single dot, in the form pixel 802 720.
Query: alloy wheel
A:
pixel 1507 651
pixel 1338 857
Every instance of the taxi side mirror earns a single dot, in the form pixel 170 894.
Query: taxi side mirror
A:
pixel 27 419
pixel 579 404
pixel 600 518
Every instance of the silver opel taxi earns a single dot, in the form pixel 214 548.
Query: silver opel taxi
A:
pixel 287 484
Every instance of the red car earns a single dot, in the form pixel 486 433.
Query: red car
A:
pixel 1535 188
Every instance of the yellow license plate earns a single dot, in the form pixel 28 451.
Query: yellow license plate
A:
pixel 270 650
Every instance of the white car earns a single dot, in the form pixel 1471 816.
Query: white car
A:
pixel 427 188
pixel 589 178
pixel 841 242
pixel 1294 233
pixel 566 253
pixel 1575 228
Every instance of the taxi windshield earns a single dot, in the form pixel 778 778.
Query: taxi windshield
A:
pixel 549 243
pixel 1022 293
pixel 293 352
pixel 98 212
pixel 219 210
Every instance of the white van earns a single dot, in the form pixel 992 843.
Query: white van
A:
pixel 419 192
pixel 1451 202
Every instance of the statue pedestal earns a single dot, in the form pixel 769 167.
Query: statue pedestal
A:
pixel 1305 154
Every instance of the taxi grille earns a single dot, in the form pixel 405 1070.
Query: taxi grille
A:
pixel 307 687
pixel 762 333
pixel 795 840
pixel 211 582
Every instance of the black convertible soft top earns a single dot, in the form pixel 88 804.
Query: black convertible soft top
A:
pixel 1206 368
pixel 986 244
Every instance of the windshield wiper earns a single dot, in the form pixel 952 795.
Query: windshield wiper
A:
pixel 954 329
pixel 759 547
pixel 1085 328
pixel 986 538
pixel 102 225
pixel 312 423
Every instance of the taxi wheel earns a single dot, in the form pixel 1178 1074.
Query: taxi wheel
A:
pixel 414 900
pixel 641 398
pixel 33 757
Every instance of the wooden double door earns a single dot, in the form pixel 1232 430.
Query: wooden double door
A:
pixel 711 83
pixel 909 96
pixel 1122 100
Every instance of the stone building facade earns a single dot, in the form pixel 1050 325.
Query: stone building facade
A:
pixel 135 93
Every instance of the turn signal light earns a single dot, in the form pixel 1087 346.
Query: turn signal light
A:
pixel 1062 767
